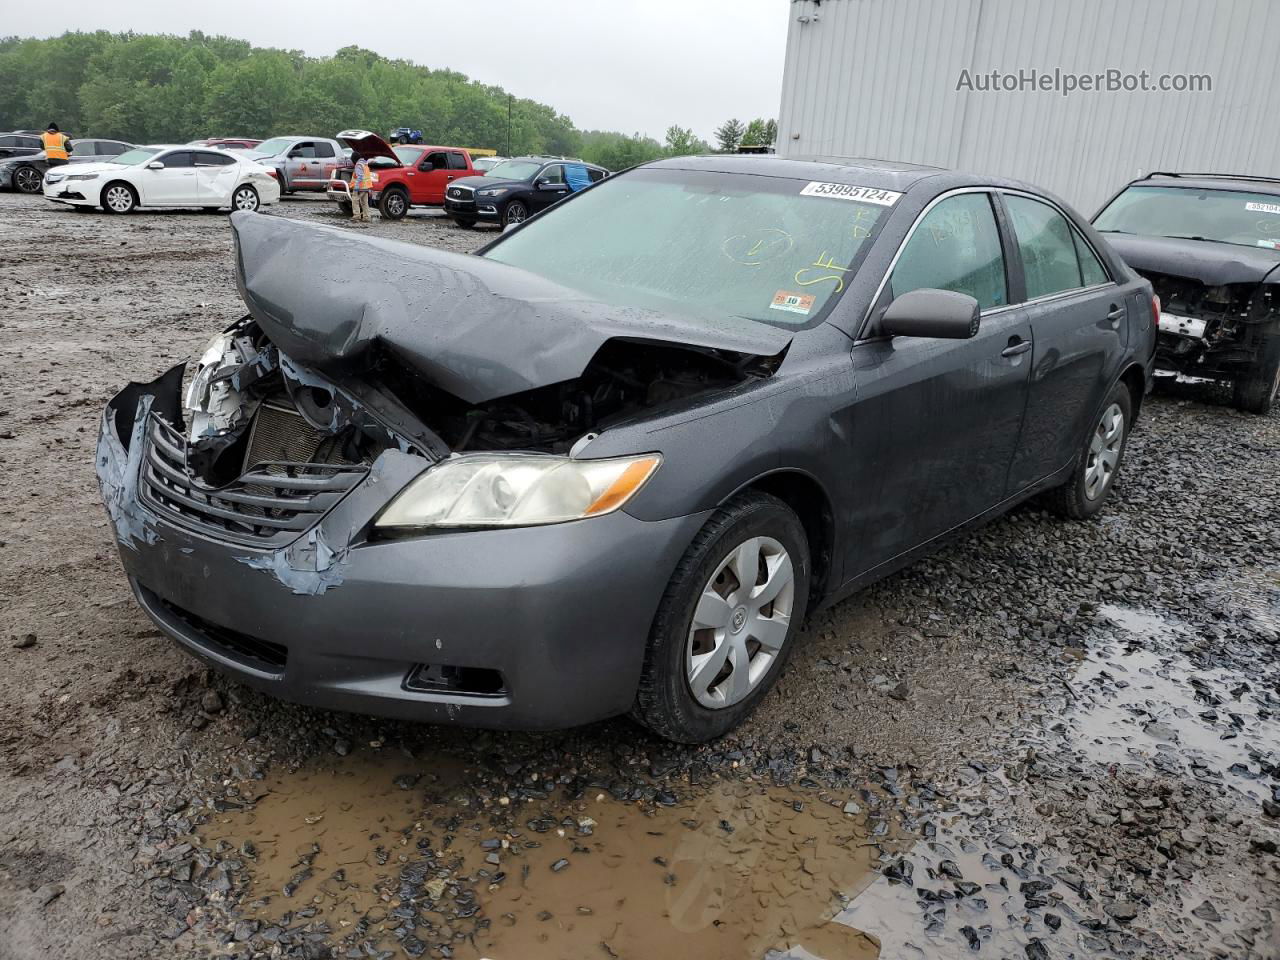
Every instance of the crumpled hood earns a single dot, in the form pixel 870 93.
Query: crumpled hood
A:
pixel 1213 264
pixel 474 327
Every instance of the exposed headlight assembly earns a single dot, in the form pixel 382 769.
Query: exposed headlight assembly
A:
pixel 479 490
pixel 492 192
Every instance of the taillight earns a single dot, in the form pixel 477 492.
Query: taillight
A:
pixel 1155 309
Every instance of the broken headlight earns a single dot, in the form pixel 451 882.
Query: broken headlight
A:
pixel 516 491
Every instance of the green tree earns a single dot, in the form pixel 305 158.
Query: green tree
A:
pixel 681 141
pixel 729 135
pixel 755 134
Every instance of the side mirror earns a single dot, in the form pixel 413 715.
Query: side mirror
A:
pixel 932 313
pixel 155 165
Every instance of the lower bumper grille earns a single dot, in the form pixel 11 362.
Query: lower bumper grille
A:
pixel 282 493
pixel 251 651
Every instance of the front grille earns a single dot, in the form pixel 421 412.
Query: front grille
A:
pixel 282 492
pixel 251 651
pixel 461 193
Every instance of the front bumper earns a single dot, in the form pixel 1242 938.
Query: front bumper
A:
pixel 478 209
pixel 6 177
pixel 562 613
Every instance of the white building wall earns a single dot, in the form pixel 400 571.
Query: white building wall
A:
pixel 878 78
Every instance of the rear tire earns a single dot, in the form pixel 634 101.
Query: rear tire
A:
pixel 27 179
pixel 1098 467
pixel 697 682
pixel 1259 391
pixel 245 197
pixel 393 204
pixel 119 197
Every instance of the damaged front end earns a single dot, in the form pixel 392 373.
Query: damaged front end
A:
pixel 1214 331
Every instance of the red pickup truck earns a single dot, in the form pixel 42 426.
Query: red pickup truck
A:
pixel 408 175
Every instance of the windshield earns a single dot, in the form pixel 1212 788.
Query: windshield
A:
pixel 136 155
pixel 408 155
pixel 515 170
pixel 711 244
pixel 274 146
pixel 1227 216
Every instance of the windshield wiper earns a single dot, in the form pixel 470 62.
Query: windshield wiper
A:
pixel 1179 236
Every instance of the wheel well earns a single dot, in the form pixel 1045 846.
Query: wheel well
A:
pixel 1136 380
pixel 806 497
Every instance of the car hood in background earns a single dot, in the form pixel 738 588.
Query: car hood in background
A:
pixel 96 166
pixel 474 327
pixel 482 182
pixel 367 145
pixel 1213 264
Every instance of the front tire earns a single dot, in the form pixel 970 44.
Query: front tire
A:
pixel 514 212
pixel 393 204
pixel 28 179
pixel 727 621
pixel 119 197
pixel 1100 461
pixel 245 198
pixel 1258 391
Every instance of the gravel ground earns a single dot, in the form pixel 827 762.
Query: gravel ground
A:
pixel 1062 738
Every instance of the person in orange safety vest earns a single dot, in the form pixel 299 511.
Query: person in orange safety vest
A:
pixel 362 179
pixel 57 148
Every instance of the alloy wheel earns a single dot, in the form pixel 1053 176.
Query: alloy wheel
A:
pixel 740 623
pixel 119 199
pixel 395 205
pixel 516 212
pixel 245 199
pixel 28 179
pixel 1104 452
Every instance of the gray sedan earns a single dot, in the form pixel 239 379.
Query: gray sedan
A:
pixel 610 464
pixel 26 173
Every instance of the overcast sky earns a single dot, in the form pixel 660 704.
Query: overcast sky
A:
pixel 608 64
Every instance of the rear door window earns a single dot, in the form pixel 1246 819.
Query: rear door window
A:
pixel 323 149
pixel 213 160
pixel 955 247
pixel 1045 240
pixel 457 161
pixel 1092 272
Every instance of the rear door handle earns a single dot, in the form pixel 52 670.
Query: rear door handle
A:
pixel 1115 315
pixel 1016 346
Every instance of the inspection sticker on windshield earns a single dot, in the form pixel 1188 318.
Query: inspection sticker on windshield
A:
pixel 792 302
pixel 1263 207
pixel 846 191
pixel 1270 244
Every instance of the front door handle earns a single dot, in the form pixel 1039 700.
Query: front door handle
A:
pixel 1016 346
pixel 1115 315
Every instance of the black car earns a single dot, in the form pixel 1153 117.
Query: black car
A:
pixel 20 144
pixel 516 189
pixel 1210 245
pixel 608 464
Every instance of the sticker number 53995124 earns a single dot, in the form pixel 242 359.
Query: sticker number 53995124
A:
pixel 847 191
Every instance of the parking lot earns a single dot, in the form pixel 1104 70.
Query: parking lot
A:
pixel 1051 739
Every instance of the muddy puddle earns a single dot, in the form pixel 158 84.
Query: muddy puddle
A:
pixel 1140 706
pixel 403 854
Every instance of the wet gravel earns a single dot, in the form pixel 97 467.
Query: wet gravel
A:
pixel 1060 739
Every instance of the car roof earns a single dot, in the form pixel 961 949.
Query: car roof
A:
pixel 1214 181
pixel 881 174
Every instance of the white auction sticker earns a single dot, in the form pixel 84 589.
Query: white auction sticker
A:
pixel 847 191
pixel 1263 208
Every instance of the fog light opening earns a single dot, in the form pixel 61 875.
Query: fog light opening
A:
pixel 446 678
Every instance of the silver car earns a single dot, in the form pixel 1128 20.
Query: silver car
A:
pixel 302 163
